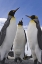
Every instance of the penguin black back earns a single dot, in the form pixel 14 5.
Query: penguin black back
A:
pixel 39 37
pixel 3 31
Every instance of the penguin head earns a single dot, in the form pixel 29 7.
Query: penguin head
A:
pixel 34 18
pixel 20 23
pixel 12 12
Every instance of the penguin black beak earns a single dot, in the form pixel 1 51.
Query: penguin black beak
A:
pixel 28 16
pixel 16 9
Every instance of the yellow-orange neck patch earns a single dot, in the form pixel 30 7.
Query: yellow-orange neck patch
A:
pixel 20 25
pixel 32 21
pixel 13 19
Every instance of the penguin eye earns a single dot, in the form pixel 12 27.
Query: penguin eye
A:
pixel 11 13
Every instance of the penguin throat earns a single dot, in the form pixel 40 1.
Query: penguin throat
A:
pixel 10 17
pixel 32 21
pixel 12 20
pixel 19 25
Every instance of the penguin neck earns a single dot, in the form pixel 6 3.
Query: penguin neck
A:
pixel 10 17
pixel 32 27
pixel 32 24
pixel 19 26
pixel 13 20
pixel 32 21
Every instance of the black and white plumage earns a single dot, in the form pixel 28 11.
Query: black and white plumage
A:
pixel 34 38
pixel 19 42
pixel 3 31
pixel 11 54
pixel 39 35
pixel 7 35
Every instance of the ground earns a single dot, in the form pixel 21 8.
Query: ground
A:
pixel 23 62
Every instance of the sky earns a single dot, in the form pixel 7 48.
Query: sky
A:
pixel 29 7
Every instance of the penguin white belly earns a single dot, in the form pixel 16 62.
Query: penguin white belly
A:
pixel 9 38
pixel 32 38
pixel 19 43
pixel 32 35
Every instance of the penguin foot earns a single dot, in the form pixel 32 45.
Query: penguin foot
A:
pixel 39 63
pixel 27 57
pixel 19 59
pixel 15 60
pixel 10 55
pixel 35 61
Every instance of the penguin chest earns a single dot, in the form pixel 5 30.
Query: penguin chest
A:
pixel 19 41
pixel 10 35
pixel 32 35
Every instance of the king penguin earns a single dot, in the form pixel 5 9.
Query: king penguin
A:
pixel 19 42
pixel 33 33
pixel 7 35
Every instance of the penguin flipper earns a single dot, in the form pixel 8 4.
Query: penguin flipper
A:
pixel 3 31
pixel 25 36
pixel 39 37
pixel 39 33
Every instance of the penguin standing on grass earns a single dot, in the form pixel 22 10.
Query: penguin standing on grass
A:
pixel 19 42
pixel 34 33
pixel 7 35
